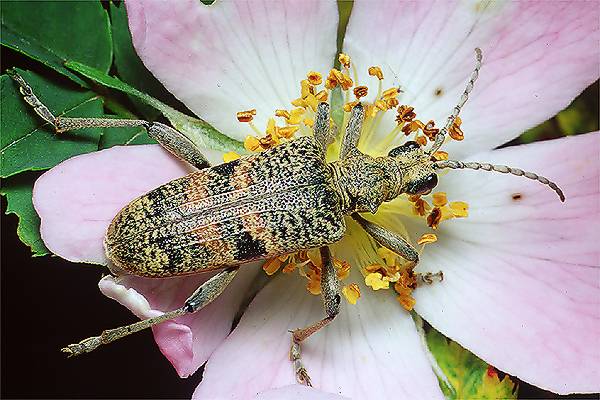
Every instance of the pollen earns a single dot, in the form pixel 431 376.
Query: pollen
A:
pixel 455 132
pixel 344 60
pixel 427 238
pixel 314 78
pixel 246 116
pixel 351 292
pixel 375 280
pixel 376 71
pixel 230 156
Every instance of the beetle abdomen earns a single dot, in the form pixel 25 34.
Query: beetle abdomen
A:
pixel 260 206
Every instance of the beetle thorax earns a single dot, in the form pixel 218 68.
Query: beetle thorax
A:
pixel 364 182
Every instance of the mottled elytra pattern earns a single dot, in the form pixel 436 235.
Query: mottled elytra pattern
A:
pixel 276 202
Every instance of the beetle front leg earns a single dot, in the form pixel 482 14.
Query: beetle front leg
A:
pixel 171 139
pixel 330 292
pixel 203 296
pixel 322 129
pixel 388 239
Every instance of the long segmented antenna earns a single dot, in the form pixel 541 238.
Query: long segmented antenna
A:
pixel 441 136
pixel 503 169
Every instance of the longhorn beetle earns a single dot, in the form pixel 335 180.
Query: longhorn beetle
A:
pixel 222 216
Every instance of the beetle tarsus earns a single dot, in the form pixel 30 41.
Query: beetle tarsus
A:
pixel 85 346
pixel 301 373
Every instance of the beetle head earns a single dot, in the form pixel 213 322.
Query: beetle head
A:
pixel 416 168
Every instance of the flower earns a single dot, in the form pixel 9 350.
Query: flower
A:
pixel 521 282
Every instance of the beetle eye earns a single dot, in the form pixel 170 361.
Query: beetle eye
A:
pixel 423 186
pixel 405 148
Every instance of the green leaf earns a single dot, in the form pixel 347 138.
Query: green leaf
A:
pixel 27 142
pixel 55 31
pixel 130 67
pixel 18 191
pixel 198 131
pixel 464 375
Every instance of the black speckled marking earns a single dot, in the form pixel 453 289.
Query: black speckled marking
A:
pixel 226 169
pixel 248 248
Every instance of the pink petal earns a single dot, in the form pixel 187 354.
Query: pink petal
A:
pixel 371 350
pixel 187 341
pixel 522 277
pixel 78 198
pixel 538 56
pixel 234 55
pixel 297 392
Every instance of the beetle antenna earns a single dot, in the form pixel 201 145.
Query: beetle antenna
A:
pixel 503 169
pixel 441 136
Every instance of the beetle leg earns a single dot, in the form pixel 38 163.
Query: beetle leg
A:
pixel 204 295
pixel 352 134
pixel 389 239
pixel 330 292
pixel 171 139
pixel 322 130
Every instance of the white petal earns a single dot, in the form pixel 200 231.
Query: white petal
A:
pixel 234 55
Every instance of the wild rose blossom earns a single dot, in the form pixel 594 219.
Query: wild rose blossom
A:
pixel 521 285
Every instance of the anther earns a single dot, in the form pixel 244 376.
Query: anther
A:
pixel 455 132
pixel 314 78
pixel 376 71
pixel 405 114
pixel 360 91
pixel 246 116
pixel 344 60
pixel 282 113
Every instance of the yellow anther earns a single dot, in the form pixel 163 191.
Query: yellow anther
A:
pixel 375 280
pixel 409 128
pixel 271 128
pixel 382 105
pixel 370 110
pixel 299 102
pixel 393 102
pixel 459 209
pixel 246 116
pixel 322 95
pixel 440 155
pixel 296 116
pixel 306 88
pixel 344 60
pixel 388 256
pixel 287 131
pixel 427 238
pixel 308 122
pixel 405 114
pixel 282 113
pixel 376 71
pixel 361 91
pixel 342 267
pixel 439 199
pixel 349 106
pixel 455 132
pixel 422 140
pixel 230 156
pixel 251 143
pixel 289 268
pixel 343 79
pixel 351 292
pixel 430 131
pixel 331 82
pixel 434 218
pixel 420 207
pixel 390 93
pixel 314 78
pixel 272 266
pixel 406 300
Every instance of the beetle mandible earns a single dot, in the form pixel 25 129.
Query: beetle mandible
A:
pixel 280 201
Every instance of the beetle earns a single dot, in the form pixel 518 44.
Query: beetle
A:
pixel 280 201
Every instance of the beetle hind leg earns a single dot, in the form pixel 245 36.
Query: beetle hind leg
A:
pixel 169 138
pixel 203 296
pixel 330 292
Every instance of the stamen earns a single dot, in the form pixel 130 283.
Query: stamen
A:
pixel 344 60
pixel 287 131
pixel 455 132
pixel 440 155
pixel 440 199
pixel 375 280
pixel 427 238
pixel 360 91
pixel 314 78
pixel 376 71
pixel 282 113
pixel 351 292
pixel 251 143
pixel 246 116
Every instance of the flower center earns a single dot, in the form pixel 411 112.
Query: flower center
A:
pixel 343 84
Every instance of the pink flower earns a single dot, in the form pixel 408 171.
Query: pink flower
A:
pixel 521 287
